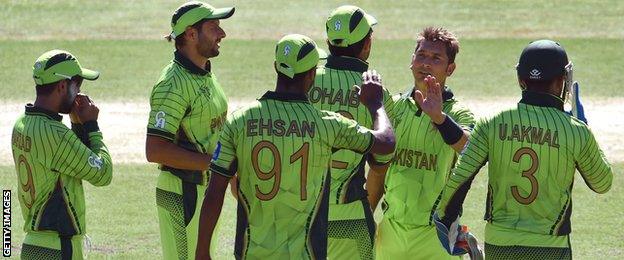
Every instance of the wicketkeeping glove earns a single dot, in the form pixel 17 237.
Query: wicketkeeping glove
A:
pixel 456 239
pixel 577 107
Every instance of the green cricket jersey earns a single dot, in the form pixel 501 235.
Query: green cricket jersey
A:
pixel 280 147
pixel 51 161
pixel 333 91
pixel 422 160
pixel 533 151
pixel 188 107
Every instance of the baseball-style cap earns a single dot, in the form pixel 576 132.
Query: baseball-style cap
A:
pixel 347 25
pixel 296 53
pixel 193 12
pixel 542 60
pixel 57 65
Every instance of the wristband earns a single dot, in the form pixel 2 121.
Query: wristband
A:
pixel 450 131
pixel 91 126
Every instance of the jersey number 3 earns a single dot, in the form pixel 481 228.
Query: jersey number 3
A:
pixel 529 174
pixel 276 170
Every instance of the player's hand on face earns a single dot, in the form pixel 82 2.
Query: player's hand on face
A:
pixel 85 109
pixel 371 91
pixel 80 99
pixel 432 103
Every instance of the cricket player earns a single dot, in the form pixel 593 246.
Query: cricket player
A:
pixel 52 160
pixel 351 227
pixel 280 148
pixel 431 128
pixel 188 108
pixel 533 151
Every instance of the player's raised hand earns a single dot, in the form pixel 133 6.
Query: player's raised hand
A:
pixel 431 104
pixel 371 91
pixel 85 109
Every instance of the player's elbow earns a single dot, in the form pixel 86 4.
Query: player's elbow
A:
pixel 384 144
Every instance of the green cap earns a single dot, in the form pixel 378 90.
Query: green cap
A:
pixel 296 53
pixel 193 12
pixel 57 65
pixel 347 25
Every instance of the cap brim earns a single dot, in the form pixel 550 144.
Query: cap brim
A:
pixel 371 20
pixel 89 74
pixel 222 13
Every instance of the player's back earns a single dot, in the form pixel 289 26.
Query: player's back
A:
pixel 333 91
pixel 533 153
pixel 283 147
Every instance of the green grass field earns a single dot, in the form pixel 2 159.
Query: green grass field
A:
pixel 123 40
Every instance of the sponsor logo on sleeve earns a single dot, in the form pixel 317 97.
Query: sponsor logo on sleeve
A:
pixel 95 162
pixel 160 119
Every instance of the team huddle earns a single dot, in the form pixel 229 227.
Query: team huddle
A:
pixel 295 159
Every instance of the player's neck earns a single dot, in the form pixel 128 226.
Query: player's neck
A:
pixel 192 54
pixel 47 104
pixel 290 89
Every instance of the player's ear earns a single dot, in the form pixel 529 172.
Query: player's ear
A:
pixel 61 87
pixel 450 68
pixel 522 84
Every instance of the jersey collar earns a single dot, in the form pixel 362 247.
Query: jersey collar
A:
pixel 38 111
pixel 346 63
pixel 179 58
pixel 541 100
pixel 289 97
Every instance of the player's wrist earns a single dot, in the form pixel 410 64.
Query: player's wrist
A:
pixel 438 118
pixel 450 131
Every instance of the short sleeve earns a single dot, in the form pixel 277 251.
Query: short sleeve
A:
pixel 168 105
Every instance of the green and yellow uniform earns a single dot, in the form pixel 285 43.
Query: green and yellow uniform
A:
pixel 188 108
pixel 280 148
pixel 51 161
pixel 421 165
pixel 533 151
pixel 351 227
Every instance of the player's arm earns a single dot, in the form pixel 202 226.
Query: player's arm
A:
pixel 594 167
pixel 168 106
pixel 371 95
pixel 210 212
pixel 223 168
pixel 91 163
pixel 458 184
pixel 451 132
pixel 375 183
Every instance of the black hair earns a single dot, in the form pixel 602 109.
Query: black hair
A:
pixel 352 50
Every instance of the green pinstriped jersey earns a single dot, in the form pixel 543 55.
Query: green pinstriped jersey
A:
pixel 533 151
pixel 280 148
pixel 188 106
pixel 422 160
pixel 51 162
pixel 333 91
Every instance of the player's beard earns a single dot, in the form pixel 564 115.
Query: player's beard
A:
pixel 68 101
pixel 206 48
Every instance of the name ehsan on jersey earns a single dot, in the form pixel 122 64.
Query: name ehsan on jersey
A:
pixel 416 159
pixel 528 134
pixel 21 141
pixel 280 127
pixel 325 96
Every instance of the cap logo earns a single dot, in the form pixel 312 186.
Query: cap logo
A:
pixel 286 50
pixel 535 74
pixel 337 25
pixel 38 65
